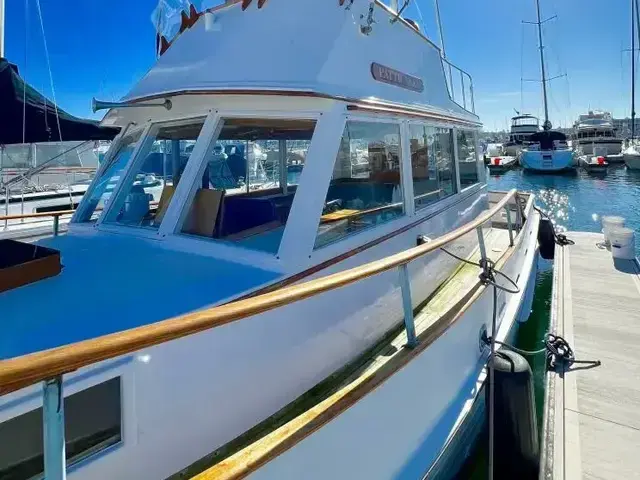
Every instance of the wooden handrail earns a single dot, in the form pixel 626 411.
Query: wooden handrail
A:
pixel 57 213
pixel 19 372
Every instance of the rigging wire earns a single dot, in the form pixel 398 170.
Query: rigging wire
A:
pixel 46 52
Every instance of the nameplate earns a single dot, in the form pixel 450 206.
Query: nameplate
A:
pixel 394 77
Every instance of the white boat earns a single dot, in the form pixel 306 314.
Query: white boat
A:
pixel 498 160
pixel 593 163
pixel 179 328
pixel 522 127
pixel 631 156
pixel 595 130
pixel 548 150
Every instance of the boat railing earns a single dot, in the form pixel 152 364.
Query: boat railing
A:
pixel 54 215
pixel 460 85
pixel 49 366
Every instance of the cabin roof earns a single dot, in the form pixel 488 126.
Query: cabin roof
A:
pixel 110 284
pixel 303 46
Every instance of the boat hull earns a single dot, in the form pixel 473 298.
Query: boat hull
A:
pixel 281 354
pixel 632 160
pixel 547 160
pixel 408 426
pixel 505 163
pixel 603 147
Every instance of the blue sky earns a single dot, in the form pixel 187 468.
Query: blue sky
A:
pixel 102 47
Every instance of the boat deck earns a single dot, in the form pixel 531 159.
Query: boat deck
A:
pixel 264 441
pixel 592 413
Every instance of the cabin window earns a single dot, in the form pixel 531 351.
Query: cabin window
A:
pixel 366 186
pixel 92 421
pixel 144 198
pixel 432 164
pixel 467 157
pixel 103 187
pixel 248 180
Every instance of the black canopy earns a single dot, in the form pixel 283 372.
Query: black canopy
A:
pixel 41 124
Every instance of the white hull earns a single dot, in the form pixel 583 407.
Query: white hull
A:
pixel 498 164
pixel 632 160
pixel 602 148
pixel 591 164
pixel 399 429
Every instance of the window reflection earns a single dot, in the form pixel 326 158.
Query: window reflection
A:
pixel 248 182
pixel 103 187
pixel 366 186
pixel 467 157
pixel 431 164
pixel 158 169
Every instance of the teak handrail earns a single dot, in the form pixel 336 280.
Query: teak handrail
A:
pixel 57 213
pixel 19 372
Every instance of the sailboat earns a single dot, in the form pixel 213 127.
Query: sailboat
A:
pixel 631 154
pixel 548 150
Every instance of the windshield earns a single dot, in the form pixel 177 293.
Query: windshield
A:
pixel 95 202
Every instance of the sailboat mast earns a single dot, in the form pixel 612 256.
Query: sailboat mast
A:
pixel 544 76
pixel 1 28
pixel 633 69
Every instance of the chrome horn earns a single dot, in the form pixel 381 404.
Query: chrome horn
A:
pixel 100 105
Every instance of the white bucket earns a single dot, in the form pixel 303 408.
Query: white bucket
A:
pixel 623 243
pixel 609 222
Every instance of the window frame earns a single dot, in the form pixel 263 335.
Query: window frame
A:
pixel 480 177
pixel 113 150
pixel 455 177
pixel 139 156
pixel 24 401
pixel 186 191
pixel 405 177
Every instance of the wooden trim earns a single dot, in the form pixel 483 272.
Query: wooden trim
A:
pixel 266 449
pixel 19 372
pixel 37 215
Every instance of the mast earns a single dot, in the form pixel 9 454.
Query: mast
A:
pixel 544 77
pixel 633 68
pixel 1 28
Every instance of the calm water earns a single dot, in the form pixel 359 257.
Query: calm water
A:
pixel 575 202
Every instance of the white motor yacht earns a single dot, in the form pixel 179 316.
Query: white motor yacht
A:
pixel 295 328
pixel 595 130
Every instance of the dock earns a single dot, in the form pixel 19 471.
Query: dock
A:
pixel 591 426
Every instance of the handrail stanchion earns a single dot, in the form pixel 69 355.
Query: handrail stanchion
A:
pixel 6 207
pixel 53 429
pixel 508 210
pixel 56 225
pixel 464 95
pixel 405 286
pixel 22 205
pixel 483 248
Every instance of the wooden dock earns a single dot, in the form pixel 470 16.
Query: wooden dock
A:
pixel 591 425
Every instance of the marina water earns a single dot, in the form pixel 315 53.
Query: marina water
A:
pixel 575 201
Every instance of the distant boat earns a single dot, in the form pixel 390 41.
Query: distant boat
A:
pixel 497 159
pixel 593 163
pixel 595 130
pixel 548 150
pixel 522 127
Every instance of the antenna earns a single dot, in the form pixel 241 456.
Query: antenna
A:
pixel 1 28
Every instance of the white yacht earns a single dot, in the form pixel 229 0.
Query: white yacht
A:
pixel 305 324
pixel 522 127
pixel 595 130
pixel 548 150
